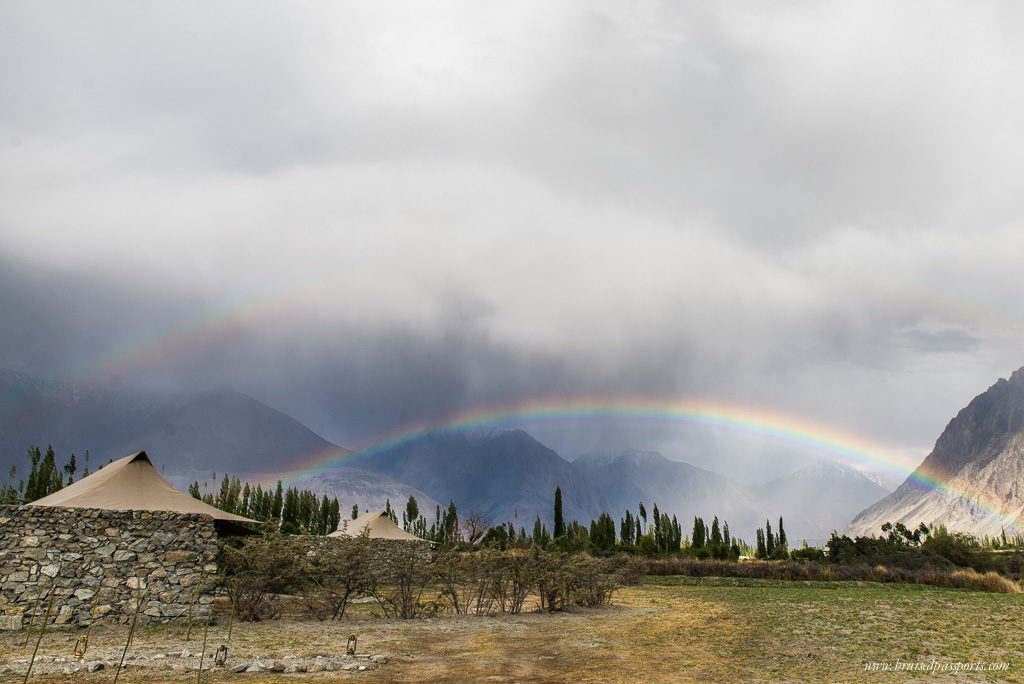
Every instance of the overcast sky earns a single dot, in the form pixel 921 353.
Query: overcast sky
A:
pixel 374 214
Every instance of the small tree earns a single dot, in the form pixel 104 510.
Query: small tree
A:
pixel 782 547
pixel 559 520
pixel 412 511
pixel 275 512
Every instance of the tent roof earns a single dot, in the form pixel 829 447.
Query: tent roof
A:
pixel 377 525
pixel 131 484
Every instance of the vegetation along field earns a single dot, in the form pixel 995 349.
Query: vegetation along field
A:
pixel 667 629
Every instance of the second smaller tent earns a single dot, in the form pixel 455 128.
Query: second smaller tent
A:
pixel 377 525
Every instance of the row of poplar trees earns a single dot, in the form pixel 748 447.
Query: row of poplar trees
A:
pixel 297 511
pixel 44 477
pixel 662 535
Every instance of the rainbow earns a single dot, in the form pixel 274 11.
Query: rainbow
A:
pixel 807 436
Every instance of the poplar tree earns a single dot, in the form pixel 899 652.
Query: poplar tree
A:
pixel 412 511
pixel 275 512
pixel 559 521
pixel 70 469
pixel 656 520
pixel 698 537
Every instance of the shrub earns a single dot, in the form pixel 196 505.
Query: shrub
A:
pixel 336 574
pixel 517 581
pixel 564 581
pixel 399 585
pixel 470 582
pixel 808 553
pixel 959 579
pixel 257 572
pixel 959 549
pixel 628 570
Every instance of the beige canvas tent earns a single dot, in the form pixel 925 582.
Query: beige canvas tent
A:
pixel 133 484
pixel 376 525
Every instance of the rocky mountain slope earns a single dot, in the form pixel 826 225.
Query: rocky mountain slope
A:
pixel 979 461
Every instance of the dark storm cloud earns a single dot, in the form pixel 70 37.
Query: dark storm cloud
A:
pixel 390 213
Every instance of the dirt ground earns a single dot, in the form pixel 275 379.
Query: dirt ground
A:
pixel 669 630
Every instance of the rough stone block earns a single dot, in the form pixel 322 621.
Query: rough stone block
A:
pixel 179 557
pixel 35 554
pixel 10 622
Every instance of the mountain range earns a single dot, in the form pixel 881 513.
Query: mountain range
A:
pixel 193 435
pixel 506 474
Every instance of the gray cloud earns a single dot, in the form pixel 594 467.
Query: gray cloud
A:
pixel 374 216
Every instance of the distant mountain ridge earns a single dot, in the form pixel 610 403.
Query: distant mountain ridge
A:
pixel 627 477
pixel 186 434
pixel 816 499
pixel 506 474
pixel 979 457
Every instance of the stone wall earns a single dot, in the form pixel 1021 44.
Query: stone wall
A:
pixel 99 562
pixel 382 551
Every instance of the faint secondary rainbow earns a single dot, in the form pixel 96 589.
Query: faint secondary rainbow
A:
pixel 814 437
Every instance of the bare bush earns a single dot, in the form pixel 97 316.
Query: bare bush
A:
pixel 564 581
pixel 474 526
pixel 400 585
pixel 515 583
pixel 340 571
pixel 258 572
pixel 470 583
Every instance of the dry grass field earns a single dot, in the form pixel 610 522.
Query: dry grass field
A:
pixel 671 629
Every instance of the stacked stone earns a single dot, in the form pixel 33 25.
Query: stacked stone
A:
pixel 99 562
pixel 381 551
